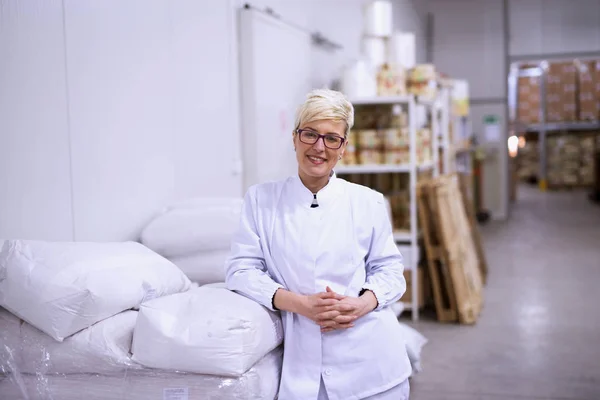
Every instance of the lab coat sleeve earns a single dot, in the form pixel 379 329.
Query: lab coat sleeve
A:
pixel 245 269
pixel 385 271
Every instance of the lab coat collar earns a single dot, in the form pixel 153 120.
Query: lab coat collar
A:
pixel 325 197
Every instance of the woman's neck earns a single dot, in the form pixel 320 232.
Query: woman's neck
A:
pixel 314 184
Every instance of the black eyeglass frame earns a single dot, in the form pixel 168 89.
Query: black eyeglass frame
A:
pixel 319 137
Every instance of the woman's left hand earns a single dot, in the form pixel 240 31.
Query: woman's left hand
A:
pixel 354 307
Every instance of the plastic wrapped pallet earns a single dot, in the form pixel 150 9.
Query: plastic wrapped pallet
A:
pixel 62 288
pixel 193 226
pixel 10 343
pixel 102 348
pixel 207 330
pixel 261 382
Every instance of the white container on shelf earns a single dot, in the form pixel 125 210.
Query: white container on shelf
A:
pixel 359 80
pixel 421 116
pixel 378 18
pixel 374 50
pixel 401 49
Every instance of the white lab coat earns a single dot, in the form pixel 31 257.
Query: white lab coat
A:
pixel 345 243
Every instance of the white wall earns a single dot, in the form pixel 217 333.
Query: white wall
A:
pixel 128 106
pixel 554 26
pixel 468 43
pixel 35 183
pixel 150 110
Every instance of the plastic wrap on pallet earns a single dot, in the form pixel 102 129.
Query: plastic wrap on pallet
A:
pixel 261 382
pixel 10 343
pixel 103 348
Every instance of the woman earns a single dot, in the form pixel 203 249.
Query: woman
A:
pixel 321 250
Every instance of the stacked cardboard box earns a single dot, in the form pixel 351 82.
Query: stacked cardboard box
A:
pixel 563 154
pixel 588 150
pixel 528 100
pixel 350 154
pixel 595 66
pixel 561 92
pixel 588 98
pixel 422 288
pixel 570 159
pixel 572 92
pixel 396 146
pixel 529 165
pixel 424 151
pixel 400 206
pixel 422 81
pixel 370 146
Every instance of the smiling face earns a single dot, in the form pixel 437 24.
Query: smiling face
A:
pixel 315 161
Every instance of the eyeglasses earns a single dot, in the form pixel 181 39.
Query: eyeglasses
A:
pixel 330 140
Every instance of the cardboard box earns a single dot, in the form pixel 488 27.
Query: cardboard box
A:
pixel 407 296
pixel 596 79
pixel 569 159
pixel 528 101
pixel 561 73
pixel 561 92
pixel 588 99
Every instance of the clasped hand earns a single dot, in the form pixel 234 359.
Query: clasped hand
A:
pixel 333 311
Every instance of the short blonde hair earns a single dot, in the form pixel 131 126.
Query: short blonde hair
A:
pixel 323 104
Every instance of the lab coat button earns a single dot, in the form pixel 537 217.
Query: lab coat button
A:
pixel 328 372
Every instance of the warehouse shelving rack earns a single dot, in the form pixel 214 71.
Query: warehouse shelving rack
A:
pixel 543 128
pixel 442 113
pixel 412 168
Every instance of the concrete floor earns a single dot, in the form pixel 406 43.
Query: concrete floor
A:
pixel 539 334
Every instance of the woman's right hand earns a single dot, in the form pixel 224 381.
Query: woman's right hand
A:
pixel 326 311
pixel 325 308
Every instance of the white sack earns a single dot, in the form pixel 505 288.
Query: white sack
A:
pixel 208 330
pixel 261 382
pixel 203 268
pixel 193 226
pixel 64 287
pixel 414 344
pixel 103 348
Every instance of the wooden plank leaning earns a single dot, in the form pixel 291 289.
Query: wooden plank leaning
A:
pixel 470 209
pixel 458 248
pixel 437 266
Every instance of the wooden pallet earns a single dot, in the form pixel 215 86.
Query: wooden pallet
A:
pixel 459 248
pixel 453 264
pixel 470 210
pixel 437 268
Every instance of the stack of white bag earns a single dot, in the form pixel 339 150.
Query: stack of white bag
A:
pixel 78 299
pixel 62 288
pixel 196 236
pixel 207 330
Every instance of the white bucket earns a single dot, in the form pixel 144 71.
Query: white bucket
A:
pixel 359 80
pixel 378 18
pixel 374 51
pixel 401 49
